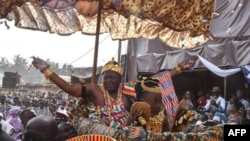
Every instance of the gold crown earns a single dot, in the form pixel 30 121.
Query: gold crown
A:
pixel 112 66
pixel 152 89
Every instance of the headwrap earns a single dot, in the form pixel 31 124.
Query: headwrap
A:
pixel 150 85
pixel 112 66
pixel 13 119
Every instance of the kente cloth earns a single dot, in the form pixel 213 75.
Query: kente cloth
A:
pixel 129 88
pixel 169 98
pixel 117 116
pixel 101 115
pixel 202 133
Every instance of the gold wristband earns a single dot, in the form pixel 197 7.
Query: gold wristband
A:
pixel 48 72
pixel 142 120
pixel 178 69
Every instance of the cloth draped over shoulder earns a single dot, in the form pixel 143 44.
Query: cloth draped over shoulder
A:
pixel 113 114
pixel 169 97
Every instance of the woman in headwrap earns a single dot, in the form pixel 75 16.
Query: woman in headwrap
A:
pixel 13 119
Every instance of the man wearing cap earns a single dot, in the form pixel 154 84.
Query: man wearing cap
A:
pixel 216 102
pixel 110 103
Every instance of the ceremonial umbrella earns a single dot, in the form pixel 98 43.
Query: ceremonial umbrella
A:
pixel 174 22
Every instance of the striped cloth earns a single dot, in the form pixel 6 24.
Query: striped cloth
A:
pixel 129 88
pixel 92 137
pixel 169 98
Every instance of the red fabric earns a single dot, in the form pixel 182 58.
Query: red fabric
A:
pixel 202 101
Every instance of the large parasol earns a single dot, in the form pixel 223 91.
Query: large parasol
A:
pixel 174 22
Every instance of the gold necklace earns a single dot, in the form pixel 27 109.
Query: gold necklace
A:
pixel 155 123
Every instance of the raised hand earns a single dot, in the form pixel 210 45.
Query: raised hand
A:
pixel 186 64
pixel 139 116
pixel 39 64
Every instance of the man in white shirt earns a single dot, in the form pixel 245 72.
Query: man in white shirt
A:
pixel 216 101
pixel 240 95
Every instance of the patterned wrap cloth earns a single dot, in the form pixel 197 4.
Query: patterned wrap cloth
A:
pixel 115 119
pixel 13 119
pixel 169 98
pixel 100 114
pixel 130 133
pixel 177 23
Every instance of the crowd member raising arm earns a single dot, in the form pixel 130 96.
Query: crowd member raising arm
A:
pixel 111 105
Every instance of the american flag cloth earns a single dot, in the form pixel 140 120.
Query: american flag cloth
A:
pixel 169 98
pixel 246 71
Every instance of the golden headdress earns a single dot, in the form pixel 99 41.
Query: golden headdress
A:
pixel 112 66
pixel 150 85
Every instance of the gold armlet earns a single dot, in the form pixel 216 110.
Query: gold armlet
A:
pixel 48 72
pixel 178 69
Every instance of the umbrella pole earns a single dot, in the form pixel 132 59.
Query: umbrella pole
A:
pixel 93 79
pixel 119 51
pixel 225 87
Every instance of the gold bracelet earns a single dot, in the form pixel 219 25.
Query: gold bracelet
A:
pixel 178 69
pixel 142 120
pixel 48 72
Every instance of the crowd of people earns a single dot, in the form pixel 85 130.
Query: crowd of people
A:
pixel 16 110
pixel 123 111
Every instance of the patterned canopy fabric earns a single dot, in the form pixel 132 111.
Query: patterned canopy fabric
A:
pixel 172 21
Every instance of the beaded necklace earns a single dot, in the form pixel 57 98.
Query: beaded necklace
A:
pixel 155 123
pixel 109 103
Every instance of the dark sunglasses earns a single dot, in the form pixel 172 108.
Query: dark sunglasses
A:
pixel 32 137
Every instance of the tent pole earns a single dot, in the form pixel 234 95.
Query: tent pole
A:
pixel 225 87
pixel 93 79
pixel 119 51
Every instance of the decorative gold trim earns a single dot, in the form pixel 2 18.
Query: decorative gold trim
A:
pixel 150 89
pixel 112 66
pixel 178 69
pixel 48 72
pixel 142 120
pixel 155 123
